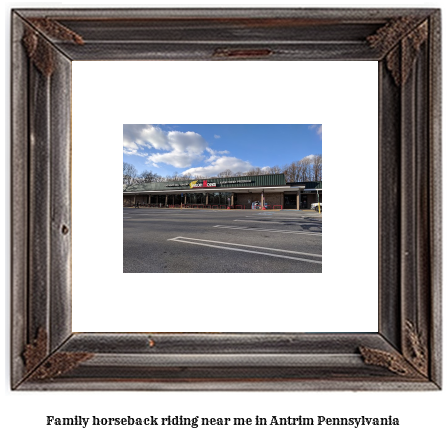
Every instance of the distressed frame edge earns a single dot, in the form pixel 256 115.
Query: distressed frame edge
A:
pixel 435 181
pixel 435 221
pixel 325 380
pixel 19 182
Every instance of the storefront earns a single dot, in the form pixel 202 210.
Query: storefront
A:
pixel 270 191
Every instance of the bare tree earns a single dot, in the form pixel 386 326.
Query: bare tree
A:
pixel 306 169
pixel 267 170
pixel 300 168
pixel 253 171
pixel 148 176
pixel 224 174
pixel 317 167
pixel 178 177
pixel 275 169
pixel 291 171
pixel 129 174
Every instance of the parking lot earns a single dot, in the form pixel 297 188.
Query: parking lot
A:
pixel 233 241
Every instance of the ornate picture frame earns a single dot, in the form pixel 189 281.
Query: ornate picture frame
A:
pixel 405 353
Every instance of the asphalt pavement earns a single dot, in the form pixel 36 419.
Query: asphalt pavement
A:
pixel 219 241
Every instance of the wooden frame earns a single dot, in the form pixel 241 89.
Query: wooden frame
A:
pixel 406 352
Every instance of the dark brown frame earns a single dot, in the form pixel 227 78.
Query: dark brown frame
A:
pixel 405 354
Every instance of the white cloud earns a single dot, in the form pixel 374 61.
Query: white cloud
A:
pixel 134 151
pixel 216 136
pixel 317 128
pixel 219 165
pixel 214 152
pixel 179 149
pixel 214 155
pixel 175 158
pixel 138 137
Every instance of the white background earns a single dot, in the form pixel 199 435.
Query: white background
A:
pixel 343 298
pixel 420 414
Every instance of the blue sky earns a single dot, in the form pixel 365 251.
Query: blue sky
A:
pixel 209 149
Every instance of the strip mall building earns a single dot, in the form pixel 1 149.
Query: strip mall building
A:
pixel 233 192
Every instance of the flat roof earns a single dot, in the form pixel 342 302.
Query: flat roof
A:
pixel 241 184
pixel 218 184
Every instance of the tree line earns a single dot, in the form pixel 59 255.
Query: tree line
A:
pixel 307 169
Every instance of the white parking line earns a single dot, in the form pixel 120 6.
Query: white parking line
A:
pixel 148 214
pixel 269 230
pixel 250 246
pixel 196 242
pixel 293 216
pixel 273 222
pixel 243 220
pixel 285 218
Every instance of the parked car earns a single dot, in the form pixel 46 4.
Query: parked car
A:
pixel 315 206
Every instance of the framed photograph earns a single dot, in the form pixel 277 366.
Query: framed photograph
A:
pixel 404 353
pixel 199 189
